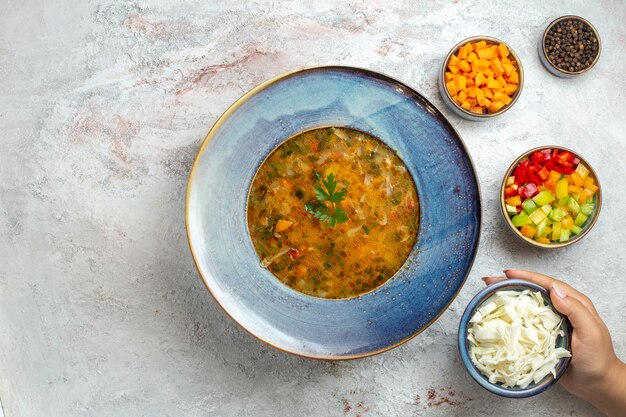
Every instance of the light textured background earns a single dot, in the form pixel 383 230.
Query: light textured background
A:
pixel 103 106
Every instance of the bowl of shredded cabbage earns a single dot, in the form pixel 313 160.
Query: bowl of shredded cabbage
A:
pixel 512 340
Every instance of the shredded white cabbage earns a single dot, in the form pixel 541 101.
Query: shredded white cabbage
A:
pixel 513 338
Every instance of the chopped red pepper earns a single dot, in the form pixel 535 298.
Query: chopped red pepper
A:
pixel 535 171
pixel 568 168
pixel 295 253
pixel 539 157
pixel 544 173
pixel 531 176
pixel 564 158
pixel 536 158
pixel 520 172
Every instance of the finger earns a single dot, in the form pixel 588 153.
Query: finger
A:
pixel 581 318
pixel 547 282
pixel 492 280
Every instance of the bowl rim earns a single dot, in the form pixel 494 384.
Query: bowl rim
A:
pixel 236 105
pixel 454 49
pixel 478 301
pixel 517 232
pixel 543 44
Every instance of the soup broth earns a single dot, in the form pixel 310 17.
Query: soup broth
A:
pixel 333 213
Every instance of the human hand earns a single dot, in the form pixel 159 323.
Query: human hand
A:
pixel 595 374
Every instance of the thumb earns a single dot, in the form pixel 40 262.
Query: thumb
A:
pixel 580 317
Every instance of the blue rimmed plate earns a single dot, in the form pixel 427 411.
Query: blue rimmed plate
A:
pixel 435 156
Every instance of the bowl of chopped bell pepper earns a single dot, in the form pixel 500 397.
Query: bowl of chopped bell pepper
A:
pixel 481 77
pixel 550 197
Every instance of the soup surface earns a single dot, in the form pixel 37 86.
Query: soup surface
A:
pixel 333 213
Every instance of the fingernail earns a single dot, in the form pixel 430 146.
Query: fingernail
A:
pixel 558 291
pixel 486 278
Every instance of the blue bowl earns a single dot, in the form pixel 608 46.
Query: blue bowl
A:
pixel 434 155
pixel 511 392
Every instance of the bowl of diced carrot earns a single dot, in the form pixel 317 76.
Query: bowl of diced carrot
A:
pixel 480 78
pixel 550 197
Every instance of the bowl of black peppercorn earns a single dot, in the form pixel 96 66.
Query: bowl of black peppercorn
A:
pixel 570 46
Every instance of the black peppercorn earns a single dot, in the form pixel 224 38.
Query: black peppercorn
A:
pixel 571 45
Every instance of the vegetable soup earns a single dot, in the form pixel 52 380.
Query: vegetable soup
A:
pixel 333 213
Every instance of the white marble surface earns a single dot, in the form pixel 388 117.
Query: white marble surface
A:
pixel 103 106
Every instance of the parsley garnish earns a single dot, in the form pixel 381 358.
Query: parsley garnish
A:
pixel 333 214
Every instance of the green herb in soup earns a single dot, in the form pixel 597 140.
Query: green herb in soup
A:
pixel 333 213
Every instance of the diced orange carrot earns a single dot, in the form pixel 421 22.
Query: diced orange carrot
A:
pixel 502 97
pixel 448 76
pixel 480 98
pixel 453 69
pixel 489 73
pixel 466 105
pixel 460 81
pixel 508 68
pixel 471 57
pixel 282 225
pixel 491 83
pixel 479 45
pixel 588 181
pixel 462 96
pixel 452 89
pixel 482 64
pixel 488 92
pixel 480 79
pixel 501 80
pixel 477 109
pixel 514 77
pixel 454 60
pixel 544 240
pixel 462 52
pixel 486 53
pixel 496 66
pixel 495 106
pixel 510 89
pixel 592 188
pixel 503 51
